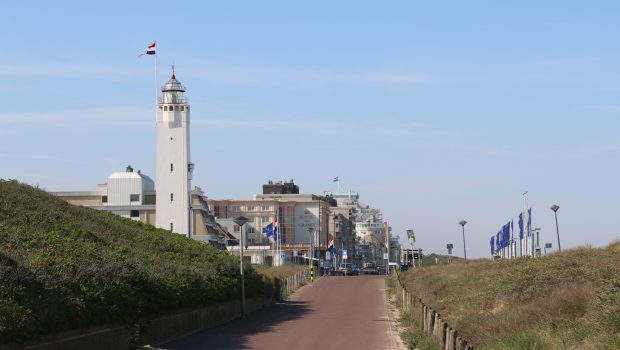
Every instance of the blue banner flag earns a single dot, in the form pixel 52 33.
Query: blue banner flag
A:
pixel 492 246
pixel 529 222
pixel 521 225
pixel 497 241
pixel 269 230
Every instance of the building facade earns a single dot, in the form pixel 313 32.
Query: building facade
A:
pixel 132 195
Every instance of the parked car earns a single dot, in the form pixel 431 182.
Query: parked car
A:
pixel 349 269
pixel 370 270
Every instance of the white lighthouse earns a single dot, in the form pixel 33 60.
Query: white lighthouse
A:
pixel 174 169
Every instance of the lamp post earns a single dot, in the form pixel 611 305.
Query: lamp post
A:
pixel 555 208
pixel 462 223
pixel 310 247
pixel 241 220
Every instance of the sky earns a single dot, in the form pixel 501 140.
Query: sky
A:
pixel 435 112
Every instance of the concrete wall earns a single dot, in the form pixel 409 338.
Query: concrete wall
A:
pixel 161 329
pixel 166 328
pixel 154 331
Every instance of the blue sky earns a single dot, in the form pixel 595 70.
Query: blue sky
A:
pixel 433 112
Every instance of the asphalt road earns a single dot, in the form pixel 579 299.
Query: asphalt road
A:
pixel 335 313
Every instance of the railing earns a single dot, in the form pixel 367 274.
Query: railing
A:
pixel 429 320
pixel 292 283
pixel 177 101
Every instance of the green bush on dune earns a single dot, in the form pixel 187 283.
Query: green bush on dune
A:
pixel 65 267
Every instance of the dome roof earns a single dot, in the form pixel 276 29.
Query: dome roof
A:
pixel 173 85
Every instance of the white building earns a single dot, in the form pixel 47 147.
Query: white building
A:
pixel 174 169
pixel 132 195
pixel 129 194
pixel 128 188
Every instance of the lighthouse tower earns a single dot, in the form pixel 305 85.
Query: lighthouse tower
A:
pixel 174 169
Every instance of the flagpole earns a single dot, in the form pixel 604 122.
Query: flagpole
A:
pixel 156 75
pixel 280 237
pixel 277 233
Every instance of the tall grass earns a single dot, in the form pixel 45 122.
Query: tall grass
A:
pixel 570 299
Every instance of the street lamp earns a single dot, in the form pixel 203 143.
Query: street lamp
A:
pixel 310 247
pixel 241 220
pixel 462 223
pixel 555 208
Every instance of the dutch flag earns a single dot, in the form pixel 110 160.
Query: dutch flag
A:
pixel 150 50
pixel 336 179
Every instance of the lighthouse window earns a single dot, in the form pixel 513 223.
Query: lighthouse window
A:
pixel 165 108
pixel 182 108
pixel 171 197
pixel 171 167
pixel 171 226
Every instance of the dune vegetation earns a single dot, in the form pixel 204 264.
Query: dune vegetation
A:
pixel 66 267
pixel 561 301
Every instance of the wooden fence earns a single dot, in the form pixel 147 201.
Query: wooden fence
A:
pixel 291 283
pixel 429 320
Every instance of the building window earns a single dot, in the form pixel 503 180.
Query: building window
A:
pixel 182 108
pixel 266 208
pixel 104 199
pixel 250 208
pixel 134 197
pixel 171 197
pixel 249 230
pixel 166 109
pixel 171 227
pixel 236 228
pixel 171 167
pixel 265 219
pixel 134 213
pixel 235 208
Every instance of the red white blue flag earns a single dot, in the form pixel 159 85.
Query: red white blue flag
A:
pixel 150 50
pixel 276 229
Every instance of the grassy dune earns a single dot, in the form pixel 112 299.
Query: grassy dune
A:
pixel 561 301
pixel 65 267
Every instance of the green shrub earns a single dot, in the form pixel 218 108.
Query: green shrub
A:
pixel 64 267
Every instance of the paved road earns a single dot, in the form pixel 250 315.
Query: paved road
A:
pixel 335 313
